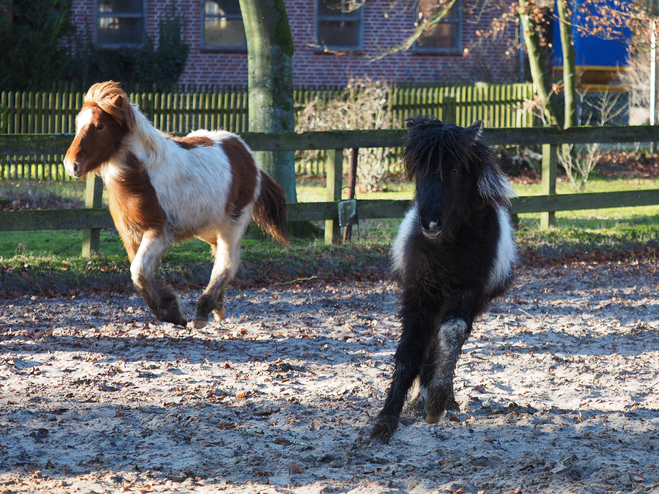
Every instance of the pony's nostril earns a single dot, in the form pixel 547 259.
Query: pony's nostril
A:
pixel 76 167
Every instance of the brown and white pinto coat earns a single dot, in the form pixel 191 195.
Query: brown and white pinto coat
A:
pixel 164 189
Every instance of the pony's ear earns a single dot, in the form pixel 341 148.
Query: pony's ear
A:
pixel 475 130
pixel 123 112
pixel 493 186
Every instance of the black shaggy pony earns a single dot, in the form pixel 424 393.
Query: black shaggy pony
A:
pixel 453 254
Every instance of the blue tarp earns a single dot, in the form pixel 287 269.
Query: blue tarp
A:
pixel 592 50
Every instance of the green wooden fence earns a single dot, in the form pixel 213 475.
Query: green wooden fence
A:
pixel 95 218
pixel 498 105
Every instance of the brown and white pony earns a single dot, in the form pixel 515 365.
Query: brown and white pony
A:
pixel 164 189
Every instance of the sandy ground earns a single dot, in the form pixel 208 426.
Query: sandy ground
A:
pixel 558 387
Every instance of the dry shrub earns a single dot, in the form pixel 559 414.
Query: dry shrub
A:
pixel 603 109
pixel 364 105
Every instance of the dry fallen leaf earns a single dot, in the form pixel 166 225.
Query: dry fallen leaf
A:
pixel 636 477
pixel 294 469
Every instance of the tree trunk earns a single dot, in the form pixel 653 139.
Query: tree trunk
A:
pixel 541 80
pixel 270 79
pixel 569 64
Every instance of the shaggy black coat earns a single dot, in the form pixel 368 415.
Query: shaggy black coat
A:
pixel 453 255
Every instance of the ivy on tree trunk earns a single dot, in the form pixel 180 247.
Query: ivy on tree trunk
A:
pixel 541 80
pixel 270 79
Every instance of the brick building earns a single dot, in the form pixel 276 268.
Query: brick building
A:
pixel 334 40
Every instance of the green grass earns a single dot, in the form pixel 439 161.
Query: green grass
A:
pixel 50 260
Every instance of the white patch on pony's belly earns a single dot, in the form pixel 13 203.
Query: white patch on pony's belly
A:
pixel 404 232
pixel 192 185
pixel 506 255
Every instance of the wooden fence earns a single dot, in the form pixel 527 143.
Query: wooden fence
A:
pixel 498 105
pixel 94 218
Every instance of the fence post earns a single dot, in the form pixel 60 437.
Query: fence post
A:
pixel 334 173
pixel 549 163
pixel 93 199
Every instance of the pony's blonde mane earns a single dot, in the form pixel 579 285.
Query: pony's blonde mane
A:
pixel 112 100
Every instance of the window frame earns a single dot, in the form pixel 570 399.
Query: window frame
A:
pixel 128 15
pixel 318 18
pixel 457 49
pixel 224 48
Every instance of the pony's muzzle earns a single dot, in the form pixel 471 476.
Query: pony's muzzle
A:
pixel 431 229
pixel 72 168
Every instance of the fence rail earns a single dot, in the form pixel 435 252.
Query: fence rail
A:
pixel 95 218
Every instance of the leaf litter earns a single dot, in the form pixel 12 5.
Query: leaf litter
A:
pixel 557 389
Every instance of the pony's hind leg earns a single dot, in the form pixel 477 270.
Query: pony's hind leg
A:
pixel 161 298
pixel 226 248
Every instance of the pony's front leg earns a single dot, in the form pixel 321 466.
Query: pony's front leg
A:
pixel 454 329
pixel 160 297
pixel 417 317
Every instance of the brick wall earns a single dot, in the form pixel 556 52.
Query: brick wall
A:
pixel 385 27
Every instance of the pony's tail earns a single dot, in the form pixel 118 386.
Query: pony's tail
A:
pixel 270 209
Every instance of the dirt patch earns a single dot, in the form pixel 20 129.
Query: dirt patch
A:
pixel 558 386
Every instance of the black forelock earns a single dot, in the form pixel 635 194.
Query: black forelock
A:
pixel 430 140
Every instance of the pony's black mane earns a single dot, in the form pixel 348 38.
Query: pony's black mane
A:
pixel 430 140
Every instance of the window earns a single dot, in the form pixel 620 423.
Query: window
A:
pixel 223 25
pixel 445 37
pixel 339 24
pixel 119 23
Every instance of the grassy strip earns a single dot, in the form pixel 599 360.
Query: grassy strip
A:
pixel 265 263
pixel 49 262
pixel 189 264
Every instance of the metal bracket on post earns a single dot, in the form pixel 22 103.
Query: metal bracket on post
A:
pixel 549 164
pixel 334 173
pixel 91 238
pixel 348 212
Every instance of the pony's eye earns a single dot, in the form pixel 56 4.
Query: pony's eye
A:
pixel 455 170
pixel 100 127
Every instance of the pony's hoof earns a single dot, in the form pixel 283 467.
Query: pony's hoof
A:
pixel 175 317
pixel 433 419
pixel 383 430
pixel 200 323
pixel 219 314
pixel 452 405
pixel 178 321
